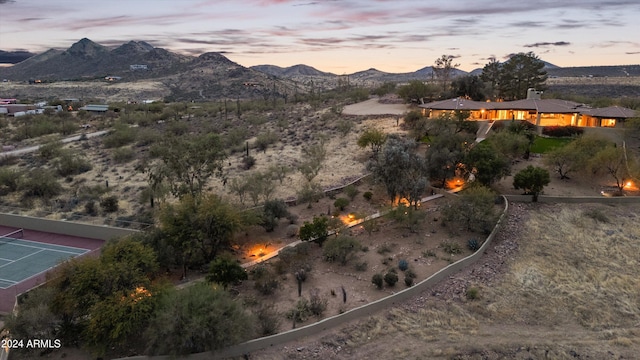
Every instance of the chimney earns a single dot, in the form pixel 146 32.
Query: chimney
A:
pixel 533 94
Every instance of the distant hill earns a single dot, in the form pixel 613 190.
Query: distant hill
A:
pixel 596 71
pixel 208 76
pixel 14 57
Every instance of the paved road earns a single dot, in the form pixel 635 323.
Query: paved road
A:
pixel 30 149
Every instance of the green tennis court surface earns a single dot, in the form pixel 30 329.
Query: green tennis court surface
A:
pixel 21 259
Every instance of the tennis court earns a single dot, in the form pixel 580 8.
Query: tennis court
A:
pixel 21 259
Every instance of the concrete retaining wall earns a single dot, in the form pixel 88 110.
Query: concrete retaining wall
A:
pixel 576 199
pixel 64 227
pixel 354 314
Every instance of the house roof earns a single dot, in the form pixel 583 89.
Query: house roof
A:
pixel 92 107
pixel 614 112
pixel 555 106
pixel 455 104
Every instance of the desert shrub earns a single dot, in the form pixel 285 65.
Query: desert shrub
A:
pixel 317 303
pixel 50 150
pixel 340 249
pixel 351 191
pixel 562 131
pixel 248 162
pixel 451 248
pixel 9 180
pixel 385 248
pixel 70 164
pixel 41 184
pixel 264 140
pixel 109 204
pixel 403 265
pixel 410 273
pixel 341 203
pixel 123 155
pixel 268 319
pixel 368 195
pixel 596 215
pixel 121 135
pixel 90 208
pixel 293 218
pixel 391 278
pixel 267 286
pixel 473 293
pixel 378 280
pixel 473 244
pixel 408 281
pixel 272 211
pixel 361 266
pixel 301 312
pixel 428 253
pixel 318 230
pixel 292 230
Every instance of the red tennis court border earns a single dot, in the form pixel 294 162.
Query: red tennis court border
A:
pixel 8 295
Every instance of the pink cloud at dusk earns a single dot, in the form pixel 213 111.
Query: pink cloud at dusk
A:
pixel 339 35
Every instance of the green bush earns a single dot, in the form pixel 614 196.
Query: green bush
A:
pixel 340 249
pixel 451 248
pixel 50 150
pixel 121 135
pixel 123 155
pixel 317 303
pixel 473 293
pixel 341 203
pixel 264 140
pixel 408 281
pixel 361 266
pixel 71 164
pixel 562 131
pixel 90 208
pixel 391 278
pixel 368 195
pixel 351 191
pixel 40 184
pixel 9 180
pixel 109 204
pixel 378 280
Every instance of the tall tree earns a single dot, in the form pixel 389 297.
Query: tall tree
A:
pixel 197 231
pixel 470 87
pixel 188 162
pixel 519 73
pixel 417 91
pixel 491 76
pixel 443 69
pixel 374 138
pixel 489 165
pixel 197 319
pixel 400 169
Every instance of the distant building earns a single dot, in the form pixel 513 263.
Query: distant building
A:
pixel 113 78
pixel 138 67
pixel 537 111
pixel 95 108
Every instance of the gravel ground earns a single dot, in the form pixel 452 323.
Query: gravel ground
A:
pixel 489 269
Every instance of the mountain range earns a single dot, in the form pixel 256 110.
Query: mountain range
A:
pixel 212 75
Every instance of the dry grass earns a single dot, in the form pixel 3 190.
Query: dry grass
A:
pixel 573 267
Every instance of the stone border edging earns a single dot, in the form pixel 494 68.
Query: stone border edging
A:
pixel 336 320
pixel 546 199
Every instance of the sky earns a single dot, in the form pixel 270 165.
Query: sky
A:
pixel 339 36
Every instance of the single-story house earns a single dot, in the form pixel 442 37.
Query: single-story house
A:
pixel 542 112
pixel 96 108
